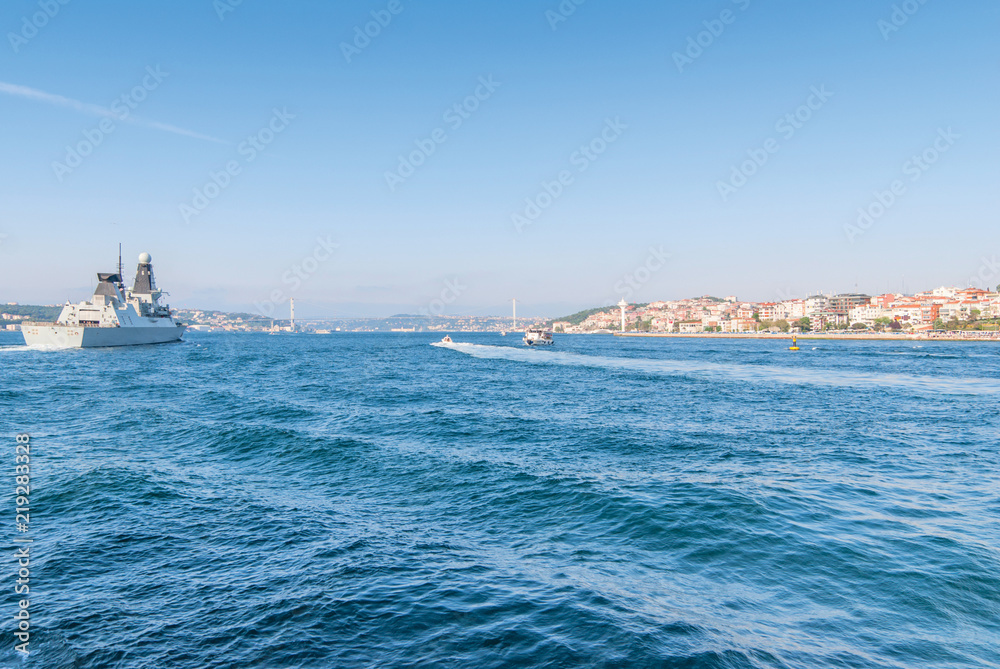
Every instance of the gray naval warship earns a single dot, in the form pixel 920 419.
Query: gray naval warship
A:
pixel 114 316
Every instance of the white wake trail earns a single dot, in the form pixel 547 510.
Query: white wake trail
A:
pixel 733 372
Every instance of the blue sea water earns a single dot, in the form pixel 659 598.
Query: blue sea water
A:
pixel 374 500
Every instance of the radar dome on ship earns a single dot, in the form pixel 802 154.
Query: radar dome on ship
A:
pixel 145 258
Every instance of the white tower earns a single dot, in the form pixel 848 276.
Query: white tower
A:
pixel 514 303
pixel 622 305
pixel 292 308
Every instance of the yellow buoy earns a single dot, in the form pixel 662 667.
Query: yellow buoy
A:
pixel 794 346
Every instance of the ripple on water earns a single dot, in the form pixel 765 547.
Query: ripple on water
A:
pixel 373 501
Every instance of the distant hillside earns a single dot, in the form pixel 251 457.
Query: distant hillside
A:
pixel 31 312
pixel 581 316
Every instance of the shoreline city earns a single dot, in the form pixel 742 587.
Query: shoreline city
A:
pixel 941 313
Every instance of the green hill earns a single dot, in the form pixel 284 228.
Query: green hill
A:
pixel 30 312
pixel 581 316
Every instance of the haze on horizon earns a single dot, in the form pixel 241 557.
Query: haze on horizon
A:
pixel 467 155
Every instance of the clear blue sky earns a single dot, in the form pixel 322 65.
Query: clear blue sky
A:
pixel 656 185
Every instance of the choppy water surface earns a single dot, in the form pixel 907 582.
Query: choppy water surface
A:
pixel 379 501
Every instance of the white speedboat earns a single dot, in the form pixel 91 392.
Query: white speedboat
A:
pixel 538 338
pixel 114 315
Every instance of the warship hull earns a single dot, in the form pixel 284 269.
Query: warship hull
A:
pixel 54 335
